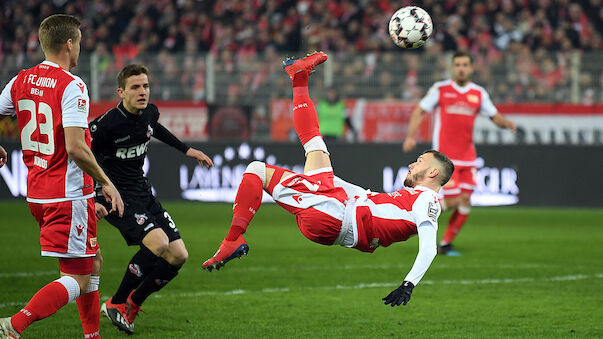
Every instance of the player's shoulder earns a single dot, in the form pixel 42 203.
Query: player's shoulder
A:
pixel 442 83
pixel 423 195
pixel 107 119
pixel 477 87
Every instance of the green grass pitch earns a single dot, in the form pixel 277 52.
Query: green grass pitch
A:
pixel 524 272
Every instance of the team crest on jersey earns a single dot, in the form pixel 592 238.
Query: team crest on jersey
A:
pixel 92 242
pixel 432 211
pixel 140 218
pixel 149 131
pixel 472 98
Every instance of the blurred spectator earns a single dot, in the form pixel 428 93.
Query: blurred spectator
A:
pixel 333 117
pixel 248 38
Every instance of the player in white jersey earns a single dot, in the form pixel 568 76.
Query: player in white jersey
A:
pixel 330 211
pixel 51 106
pixel 456 104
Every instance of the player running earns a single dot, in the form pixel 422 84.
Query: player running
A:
pixel 330 211
pixel 120 139
pixel 459 101
pixel 51 106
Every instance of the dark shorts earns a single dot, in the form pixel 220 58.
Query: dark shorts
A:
pixel 141 216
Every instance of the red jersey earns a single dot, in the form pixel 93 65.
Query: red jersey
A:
pixel 457 108
pixel 45 99
pixel 384 218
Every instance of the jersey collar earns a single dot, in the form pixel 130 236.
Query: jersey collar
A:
pixel 423 188
pixel 461 89
pixel 50 63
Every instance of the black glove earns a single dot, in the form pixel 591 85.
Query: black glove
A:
pixel 400 295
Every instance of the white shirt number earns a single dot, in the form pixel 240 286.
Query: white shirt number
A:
pixel 27 142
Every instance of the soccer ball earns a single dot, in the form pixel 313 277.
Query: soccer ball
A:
pixel 410 27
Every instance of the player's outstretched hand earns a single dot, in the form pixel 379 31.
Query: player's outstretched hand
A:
pixel 409 144
pixel 400 295
pixel 203 159
pixel 100 210
pixel 112 195
pixel 511 125
pixel 3 156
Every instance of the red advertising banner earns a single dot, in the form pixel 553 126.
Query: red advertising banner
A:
pixel 188 121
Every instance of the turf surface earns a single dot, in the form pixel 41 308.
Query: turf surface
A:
pixel 524 272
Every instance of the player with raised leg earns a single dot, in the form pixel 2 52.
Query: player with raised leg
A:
pixel 330 211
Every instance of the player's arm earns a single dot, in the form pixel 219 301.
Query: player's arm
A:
pixel 488 109
pixel 413 126
pixel 427 251
pixel 164 135
pixel 503 122
pixel 427 104
pixel 80 153
pixel 6 108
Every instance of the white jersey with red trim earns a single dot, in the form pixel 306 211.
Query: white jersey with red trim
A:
pixel 46 99
pixel 457 108
pixel 394 217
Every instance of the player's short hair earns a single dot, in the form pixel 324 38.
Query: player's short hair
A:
pixel 128 71
pixel 459 54
pixel 55 30
pixel 447 167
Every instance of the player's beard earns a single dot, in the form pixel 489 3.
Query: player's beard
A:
pixel 412 180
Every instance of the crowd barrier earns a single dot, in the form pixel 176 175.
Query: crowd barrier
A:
pixel 524 175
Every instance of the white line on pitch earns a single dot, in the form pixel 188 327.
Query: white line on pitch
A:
pixel 573 277
pixel 305 268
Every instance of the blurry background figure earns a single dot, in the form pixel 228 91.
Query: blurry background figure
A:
pixel 334 119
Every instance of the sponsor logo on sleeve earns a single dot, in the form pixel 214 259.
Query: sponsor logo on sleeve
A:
pixel 432 212
pixel 81 106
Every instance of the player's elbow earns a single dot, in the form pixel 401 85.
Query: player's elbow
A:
pixel 75 151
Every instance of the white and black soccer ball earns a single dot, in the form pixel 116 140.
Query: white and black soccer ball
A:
pixel 410 27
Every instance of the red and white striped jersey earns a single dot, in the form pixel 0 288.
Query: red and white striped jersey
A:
pixel 46 99
pixel 457 108
pixel 385 218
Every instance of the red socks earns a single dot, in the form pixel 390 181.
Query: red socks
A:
pixel 456 222
pixel 305 119
pixel 46 302
pixel 89 307
pixel 246 204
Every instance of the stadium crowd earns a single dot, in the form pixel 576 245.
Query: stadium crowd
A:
pixel 526 43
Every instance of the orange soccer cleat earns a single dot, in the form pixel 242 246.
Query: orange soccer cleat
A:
pixel 118 314
pixel 293 66
pixel 132 310
pixel 228 250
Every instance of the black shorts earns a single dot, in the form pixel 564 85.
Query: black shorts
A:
pixel 141 216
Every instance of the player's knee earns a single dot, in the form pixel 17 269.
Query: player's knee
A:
pixel 156 241
pixel 258 168
pixel 179 258
pixel 97 264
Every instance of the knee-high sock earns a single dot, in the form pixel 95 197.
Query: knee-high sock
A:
pixel 456 222
pixel 142 263
pixel 305 119
pixel 46 302
pixel 163 273
pixel 88 305
pixel 246 204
